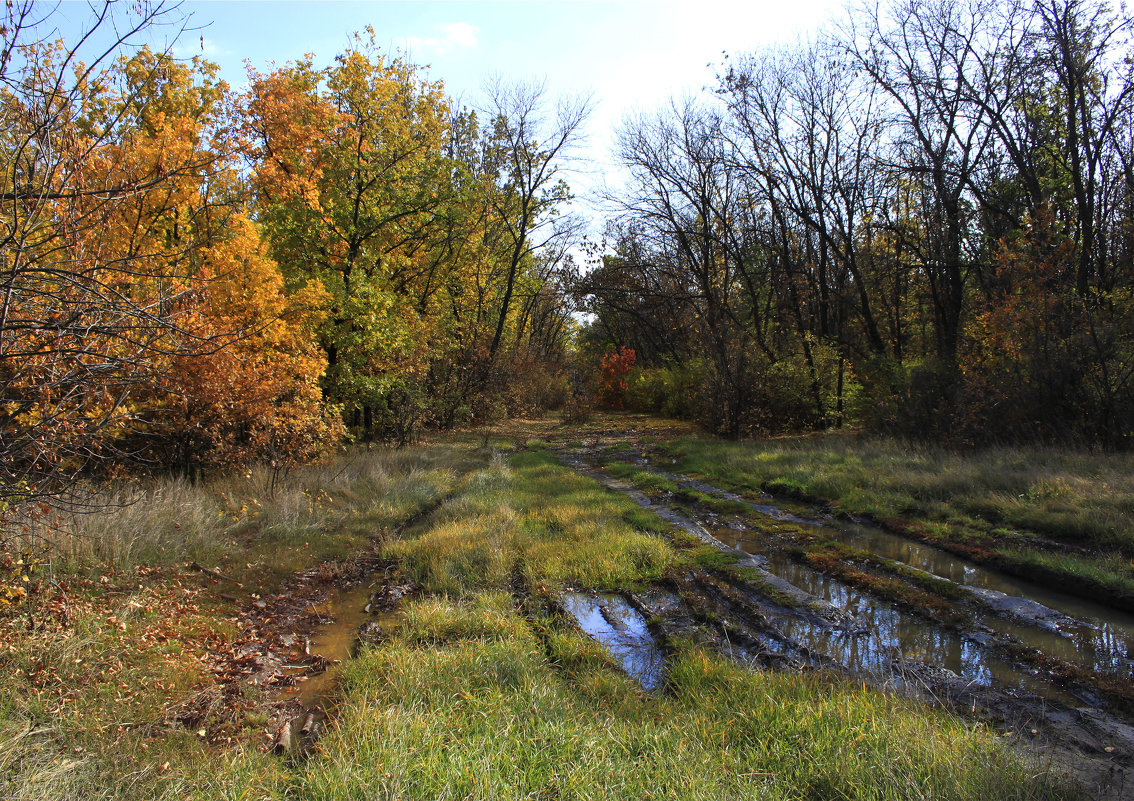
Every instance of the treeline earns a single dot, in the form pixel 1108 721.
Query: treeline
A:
pixel 923 221
pixel 193 276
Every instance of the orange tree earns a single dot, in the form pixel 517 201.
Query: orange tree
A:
pixel 350 173
pixel 124 261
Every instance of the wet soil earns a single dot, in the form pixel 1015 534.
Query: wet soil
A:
pixel 281 660
pixel 1054 673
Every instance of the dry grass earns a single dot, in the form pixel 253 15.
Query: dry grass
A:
pixel 172 520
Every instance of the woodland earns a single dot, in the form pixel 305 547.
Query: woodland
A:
pixel 337 444
pixel 920 222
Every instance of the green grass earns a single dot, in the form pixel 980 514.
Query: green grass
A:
pixel 485 717
pixel 476 692
pixel 642 479
pixel 471 700
pixel 533 515
pixel 1015 505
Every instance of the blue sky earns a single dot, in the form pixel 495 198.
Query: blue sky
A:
pixel 628 55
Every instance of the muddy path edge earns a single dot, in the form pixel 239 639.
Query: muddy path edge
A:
pixel 1089 743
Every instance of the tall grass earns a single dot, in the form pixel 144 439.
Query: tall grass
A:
pixel 167 520
pixel 82 702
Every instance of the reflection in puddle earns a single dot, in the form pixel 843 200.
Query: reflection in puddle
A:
pixel 612 621
pixel 1099 639
pixel 890 635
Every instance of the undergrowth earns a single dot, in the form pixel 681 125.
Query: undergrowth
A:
pixel 474 693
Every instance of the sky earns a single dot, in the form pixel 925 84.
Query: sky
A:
pixel 627 56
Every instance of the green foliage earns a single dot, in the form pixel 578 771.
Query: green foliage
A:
pixel 672 390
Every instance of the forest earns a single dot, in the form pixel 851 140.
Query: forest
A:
pixel 196 277
pixel 848 355
pixel 920 223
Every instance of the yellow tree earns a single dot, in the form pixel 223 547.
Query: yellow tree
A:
pixel 92 258
pixel 121 234
pixel 350 172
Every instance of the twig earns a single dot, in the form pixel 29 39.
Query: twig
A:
pixel 214 573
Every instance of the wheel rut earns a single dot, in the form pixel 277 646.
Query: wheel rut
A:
pixel 771 608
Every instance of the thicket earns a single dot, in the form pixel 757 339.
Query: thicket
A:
pixel 921 221
pixel 193 276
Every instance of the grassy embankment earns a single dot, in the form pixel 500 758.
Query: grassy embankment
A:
pixel 482 690
pixel 1042 513
pixel 126 633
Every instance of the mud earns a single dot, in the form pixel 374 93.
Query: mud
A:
pixel 1033 663
pixel 1104 633
pixel 281 659
pixel 1091 637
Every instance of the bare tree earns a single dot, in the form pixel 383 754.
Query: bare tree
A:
pixel 920 53
pixel 690 208
pixel 530 142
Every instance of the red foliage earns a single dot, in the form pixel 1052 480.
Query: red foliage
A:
pixel 613 369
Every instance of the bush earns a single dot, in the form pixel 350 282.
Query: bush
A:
pixel 578 407
pixel 671 391
pixel 914 400
pixel 614 367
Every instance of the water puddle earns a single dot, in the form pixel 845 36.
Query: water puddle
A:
pixel 612 621
pixel 890 634
pixel 882 635
pixel 887 636
pixel 335 640
pixel 1083 640
pixel 867 635
pixel 1084 633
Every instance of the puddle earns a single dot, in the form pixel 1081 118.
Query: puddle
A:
pixel 884 636
pixel 1091 635
pixel 335 641
pixel 909 653
pixel 888 635
pixel 612 621
pixel 1113 626
pixel 1083 640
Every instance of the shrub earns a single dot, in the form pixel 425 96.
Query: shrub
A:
pixel 614 367
pixel 672 390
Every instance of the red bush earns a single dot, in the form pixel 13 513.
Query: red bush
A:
pixel 613 369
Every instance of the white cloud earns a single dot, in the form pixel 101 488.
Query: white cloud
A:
pixel 453 36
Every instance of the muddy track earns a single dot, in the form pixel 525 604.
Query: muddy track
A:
pixel 959 607
pixel 980 552
pixel 286 642
pixel 755 614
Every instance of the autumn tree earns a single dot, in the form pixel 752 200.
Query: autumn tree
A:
pixel 92 258
pixel 350 171
pixel 923 218
pixel 258 398
pixel 435 235
pixel 126 261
